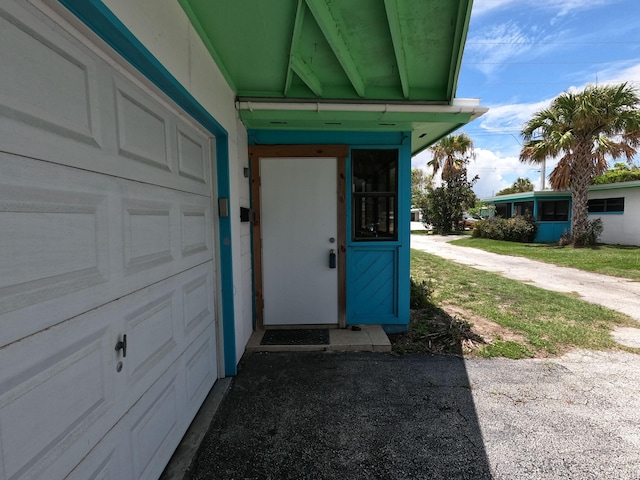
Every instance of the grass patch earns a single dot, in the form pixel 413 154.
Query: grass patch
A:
pixel 508 349
pixel 615 260
pixel 529 321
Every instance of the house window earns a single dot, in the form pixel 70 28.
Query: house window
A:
pixel 606 205
pixel 553 211
pixel 503 210
pixel 523 208
pixel 374 194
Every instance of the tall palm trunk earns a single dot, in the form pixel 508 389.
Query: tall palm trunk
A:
pixel 581 176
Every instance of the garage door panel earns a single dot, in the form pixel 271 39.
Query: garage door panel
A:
pixel 86 114
pixel 197 302
pixel 143 128
pixel 67 390
pixel 45 261
pixel 70 250
pixel 151 334
pixel 192 154
pixel 53 244
pixel 154 426
pixel 48 83
pixel 153 320
pixel 200 369
pixel 164 231
pixel 84 391
pixel 106 230
pixel 103 463
pixel 147 234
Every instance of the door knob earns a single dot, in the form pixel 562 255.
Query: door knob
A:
pixel 332 258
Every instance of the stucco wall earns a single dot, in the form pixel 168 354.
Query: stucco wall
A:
pixel 619 228
pixel 164 29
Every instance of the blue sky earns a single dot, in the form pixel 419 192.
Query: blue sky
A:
pixel 520 54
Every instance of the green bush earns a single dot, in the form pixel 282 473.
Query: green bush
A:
pixel 520 228
pixel 588 238
pixel 420 294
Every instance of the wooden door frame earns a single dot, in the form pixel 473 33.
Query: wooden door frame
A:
pixel 340 153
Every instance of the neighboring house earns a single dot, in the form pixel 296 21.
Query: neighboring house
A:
pixel 416 214
pixel 616 204
pixel 176 174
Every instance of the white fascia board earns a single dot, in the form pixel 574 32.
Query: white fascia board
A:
pixel 471 106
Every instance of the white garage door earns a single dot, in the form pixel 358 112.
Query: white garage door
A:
pixel 105 231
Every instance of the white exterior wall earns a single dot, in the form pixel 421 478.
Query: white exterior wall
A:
pixel 163 28
pixel 623 229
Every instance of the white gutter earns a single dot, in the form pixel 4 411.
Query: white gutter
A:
pixel 462 105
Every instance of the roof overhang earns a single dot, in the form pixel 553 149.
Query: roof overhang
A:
pixel 428 122
pixel 350 65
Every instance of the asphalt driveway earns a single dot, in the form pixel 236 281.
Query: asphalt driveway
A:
pixel 380 416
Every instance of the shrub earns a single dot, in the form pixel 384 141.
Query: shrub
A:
pixel 588 238
pixel 420 294
pixel 521 228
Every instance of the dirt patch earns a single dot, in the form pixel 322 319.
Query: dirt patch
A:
pixel 452 330
pixel 435 331
pixel 488 330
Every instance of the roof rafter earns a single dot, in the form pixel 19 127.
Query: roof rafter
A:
pixel 295 37
pixel 304 71
pixel 326 20
pixel 460 38
pixel 393 17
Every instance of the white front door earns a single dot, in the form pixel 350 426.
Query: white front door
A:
pixel 299 230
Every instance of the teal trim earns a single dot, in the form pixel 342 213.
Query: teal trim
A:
pixel 398 319
pixel 614 186
pixel 606 213
pixel 404 231
pixel 95 15
pixel 226 262
pixel 284 137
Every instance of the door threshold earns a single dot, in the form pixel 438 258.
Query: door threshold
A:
pixel 368 338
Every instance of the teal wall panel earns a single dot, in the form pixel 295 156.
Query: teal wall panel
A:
pixel 373 292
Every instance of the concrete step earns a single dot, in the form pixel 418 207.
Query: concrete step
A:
pixel 365 338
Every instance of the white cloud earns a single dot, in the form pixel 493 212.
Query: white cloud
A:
pixel 629 73
pixel 491 48
pixel 495 171
pixel 510 118
pixel 562 7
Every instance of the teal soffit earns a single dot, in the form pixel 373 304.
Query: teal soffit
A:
pixel 351 65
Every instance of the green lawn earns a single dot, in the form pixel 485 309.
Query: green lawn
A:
pixel 615 260
pixel 533 321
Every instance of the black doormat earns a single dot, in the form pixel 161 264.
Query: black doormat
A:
pixel 311 336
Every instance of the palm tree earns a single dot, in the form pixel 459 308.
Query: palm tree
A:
pixel 584 130
pixel 520 185
pixel 451 155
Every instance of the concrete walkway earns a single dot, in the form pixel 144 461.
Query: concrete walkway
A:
pixel 615 293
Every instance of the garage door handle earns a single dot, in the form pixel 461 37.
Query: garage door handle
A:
pixel 122 345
